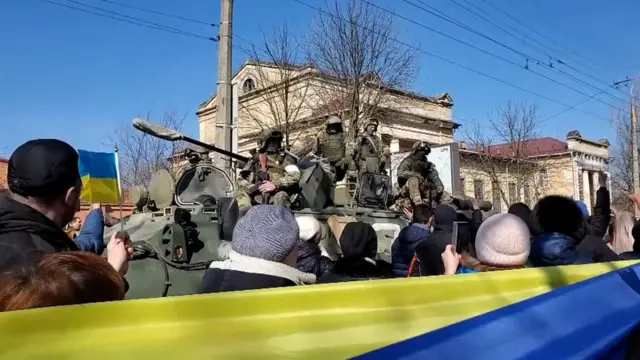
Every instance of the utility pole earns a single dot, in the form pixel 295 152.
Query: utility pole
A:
pixel 634 145
pixel 634 136
pixel 223 93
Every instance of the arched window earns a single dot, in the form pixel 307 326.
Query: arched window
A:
pixel 248 85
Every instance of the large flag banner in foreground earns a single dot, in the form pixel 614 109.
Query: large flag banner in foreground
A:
pixel 589 320
pixel 333 321
pixel 99 173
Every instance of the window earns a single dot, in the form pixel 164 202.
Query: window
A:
pixel 248 85
pixel 497 199
pixel 512 193
pixel 462 187
pixel 543 177
pixel 478 189
pixel 527 196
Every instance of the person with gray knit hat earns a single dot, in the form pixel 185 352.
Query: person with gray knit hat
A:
pixel 503 242
pixel 263 254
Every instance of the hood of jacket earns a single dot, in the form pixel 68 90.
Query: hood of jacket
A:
pixel 16 217
pixel 555 249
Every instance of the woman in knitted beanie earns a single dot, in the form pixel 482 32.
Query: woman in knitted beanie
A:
pixel 502 243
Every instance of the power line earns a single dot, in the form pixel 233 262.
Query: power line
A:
pixel 521 23
pixel 452 62
pixel 488 19
pixel 151 11
pixel 131 20
pixel 526 56
pixel 573 106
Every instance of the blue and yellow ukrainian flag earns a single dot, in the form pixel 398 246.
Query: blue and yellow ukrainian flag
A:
pixel 99 173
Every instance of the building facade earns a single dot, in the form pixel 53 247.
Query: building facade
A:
pixel 547 166
pixel 310 97
pixel 268 95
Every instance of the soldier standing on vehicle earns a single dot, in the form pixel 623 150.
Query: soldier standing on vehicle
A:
pixel 418 178
pixel 331 145
pixel 370 154
pixel 270 176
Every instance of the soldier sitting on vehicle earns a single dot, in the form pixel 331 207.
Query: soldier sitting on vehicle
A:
pixel 330 144
pixel 270 176
pixel 370 154
pixel 418 179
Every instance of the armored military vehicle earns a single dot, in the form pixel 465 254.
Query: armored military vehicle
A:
pixel 180 226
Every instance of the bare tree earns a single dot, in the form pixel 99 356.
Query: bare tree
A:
pixel 503 151
pixel 280 65
pixel 622 163
pixel 141 155
pixel 356 46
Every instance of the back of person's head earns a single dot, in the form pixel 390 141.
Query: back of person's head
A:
pixel 485 205
pixel 557 214
pixel 503 240
pixel 44 174
pixel 521 210
pixel 584 209
pixel 64 278
pixel 268 232
pixel 444 216
pixel 358 240
pixel 422 214
pixel 623 232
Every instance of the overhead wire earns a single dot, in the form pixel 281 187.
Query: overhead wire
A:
pixel 527 57
pixel 531 39
pixel 128 19
pixel 521 23
pixel 542 96
pixel 151 11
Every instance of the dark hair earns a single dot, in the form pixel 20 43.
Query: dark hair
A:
pixel 65 278
pixel 422 213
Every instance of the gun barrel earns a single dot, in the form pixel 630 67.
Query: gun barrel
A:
pixel 172 135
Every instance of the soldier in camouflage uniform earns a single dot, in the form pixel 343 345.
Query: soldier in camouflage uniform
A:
pixel 370 154
pixel 418 179
pixel 330 144
pixel 270 176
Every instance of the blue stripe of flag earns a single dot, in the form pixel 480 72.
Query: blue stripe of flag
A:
pixel 97 164
pixel 588 320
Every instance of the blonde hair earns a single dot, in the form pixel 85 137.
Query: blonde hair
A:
pixel 622 237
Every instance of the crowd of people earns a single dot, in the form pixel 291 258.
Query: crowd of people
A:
pixel 42 265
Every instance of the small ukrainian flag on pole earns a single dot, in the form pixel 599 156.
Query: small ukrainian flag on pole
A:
pixel 100 177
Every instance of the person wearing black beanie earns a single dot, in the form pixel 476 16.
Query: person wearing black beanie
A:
pixel 561 235
pixel 45 187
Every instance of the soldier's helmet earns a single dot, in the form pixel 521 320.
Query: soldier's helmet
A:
pixel 332 120
pixel 421 145
pixel 269 134
pixel 371 121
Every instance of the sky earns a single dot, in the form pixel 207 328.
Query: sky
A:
pixel 76 76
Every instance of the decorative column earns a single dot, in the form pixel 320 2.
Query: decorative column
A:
pixel 586 189
pixel 394 146
pixel 596 184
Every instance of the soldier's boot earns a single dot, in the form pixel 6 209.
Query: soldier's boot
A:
pixel 413 185
pixel 281 198
pixel 445 198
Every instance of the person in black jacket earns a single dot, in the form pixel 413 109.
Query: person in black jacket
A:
pixel 45 187
pixel 359 244
pixel 594 228
pixel 263 254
